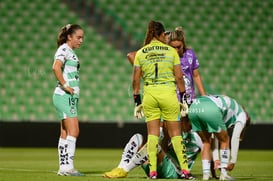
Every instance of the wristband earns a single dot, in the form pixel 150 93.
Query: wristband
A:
pixel 65 85
pixel 137 99
pixel 182 94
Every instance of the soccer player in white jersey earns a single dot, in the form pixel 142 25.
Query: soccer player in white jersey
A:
pixel 214 114
pixel 66 95
pixel 237 120
pixel 135 154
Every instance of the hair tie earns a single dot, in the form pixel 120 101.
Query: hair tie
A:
pixel 67 27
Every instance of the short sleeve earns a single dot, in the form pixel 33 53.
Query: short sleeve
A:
pixel 195 62
pixel 60 54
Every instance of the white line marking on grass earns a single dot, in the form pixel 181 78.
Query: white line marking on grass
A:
pixel 26 170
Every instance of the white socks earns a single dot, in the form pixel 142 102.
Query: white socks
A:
pixel 206 167
pixel 138 159
pixel 130 150
pixel 224 157
pixel 62 150
pixel 71 146
pixel 66 151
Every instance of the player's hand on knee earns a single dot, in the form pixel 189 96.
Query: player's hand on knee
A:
pixel 138 111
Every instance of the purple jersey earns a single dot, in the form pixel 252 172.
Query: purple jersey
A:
pixel 189 63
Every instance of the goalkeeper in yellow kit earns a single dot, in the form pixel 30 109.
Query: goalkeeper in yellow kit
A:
pixel 159 66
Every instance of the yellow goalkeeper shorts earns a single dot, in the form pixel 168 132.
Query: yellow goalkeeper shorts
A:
pixel 160 102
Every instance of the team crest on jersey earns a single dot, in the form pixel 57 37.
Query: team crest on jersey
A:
pixel 74 57
pixel 72 110
pixel 190 60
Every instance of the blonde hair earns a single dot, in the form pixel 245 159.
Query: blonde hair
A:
pixel 177 35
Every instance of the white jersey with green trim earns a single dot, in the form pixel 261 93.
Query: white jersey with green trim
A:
pixel 232 111
pixel 193 143
pixel 70 68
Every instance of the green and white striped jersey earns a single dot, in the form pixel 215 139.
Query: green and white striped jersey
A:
pixel 70 68
pixel 232 111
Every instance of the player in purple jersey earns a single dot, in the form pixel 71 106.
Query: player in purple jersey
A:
pixel 189 64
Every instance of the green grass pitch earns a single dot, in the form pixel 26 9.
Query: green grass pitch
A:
pixel 35 164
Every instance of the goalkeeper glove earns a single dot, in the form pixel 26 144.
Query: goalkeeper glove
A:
pixel 184 109
pixel 184 106
pixel 138 112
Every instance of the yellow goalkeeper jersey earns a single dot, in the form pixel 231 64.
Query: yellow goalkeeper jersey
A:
pixel 157 61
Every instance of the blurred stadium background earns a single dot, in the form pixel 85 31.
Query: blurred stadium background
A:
pixel 232 39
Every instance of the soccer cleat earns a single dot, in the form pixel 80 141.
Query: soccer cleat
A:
pixel 206 177
pixel 61 173
pixel 226 177
pixel 153 175
pixel 185 174
pixel 116 173
pixel 72 172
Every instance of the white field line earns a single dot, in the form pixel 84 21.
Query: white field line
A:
pixel 29 170
pixel 26 170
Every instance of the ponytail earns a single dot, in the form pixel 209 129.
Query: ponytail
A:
pixel 155 29
pixel 65 31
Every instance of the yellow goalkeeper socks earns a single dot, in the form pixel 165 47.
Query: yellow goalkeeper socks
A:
pixel 152 151
pixel 180 151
